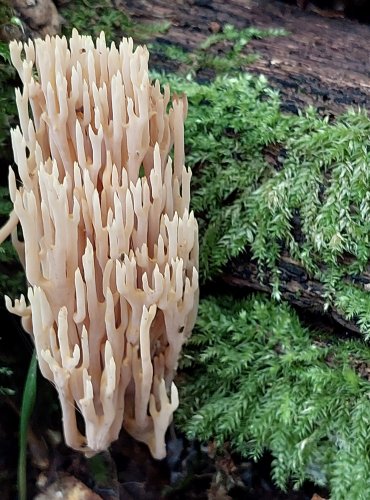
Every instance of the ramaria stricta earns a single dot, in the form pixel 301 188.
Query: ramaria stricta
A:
pixel 109 246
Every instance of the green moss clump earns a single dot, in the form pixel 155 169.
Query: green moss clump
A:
pixel 12 278
pixel 102 15
pixel 317 188
pixel 261 381
pixel 228 54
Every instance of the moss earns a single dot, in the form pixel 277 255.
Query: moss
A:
pixel 7 82
pixel 312 201
pixel 260 380
pixel 223 52
pixel 104 16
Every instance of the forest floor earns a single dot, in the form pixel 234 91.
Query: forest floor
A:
pixel 323 61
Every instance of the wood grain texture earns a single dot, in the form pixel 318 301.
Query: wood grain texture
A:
pixel 323 61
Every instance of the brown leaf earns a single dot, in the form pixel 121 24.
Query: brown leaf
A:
pixel 317 497
pixel 68 488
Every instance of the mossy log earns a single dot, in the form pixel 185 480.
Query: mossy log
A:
pixel 323 61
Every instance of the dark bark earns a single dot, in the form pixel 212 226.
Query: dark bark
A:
pixel 323 61
pixel 296 286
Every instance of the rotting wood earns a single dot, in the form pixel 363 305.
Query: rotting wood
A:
pixel 322 62
pixel 296 286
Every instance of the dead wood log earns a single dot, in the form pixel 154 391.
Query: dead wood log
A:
pixel 296 286
pixel 321 61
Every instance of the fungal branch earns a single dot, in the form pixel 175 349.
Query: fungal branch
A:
pixel 109 246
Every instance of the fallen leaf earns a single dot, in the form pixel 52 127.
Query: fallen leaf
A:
pixel 68 488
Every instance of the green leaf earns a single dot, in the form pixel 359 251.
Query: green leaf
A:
pixel 28 403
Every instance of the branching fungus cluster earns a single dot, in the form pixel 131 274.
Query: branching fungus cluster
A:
pixel 109 246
